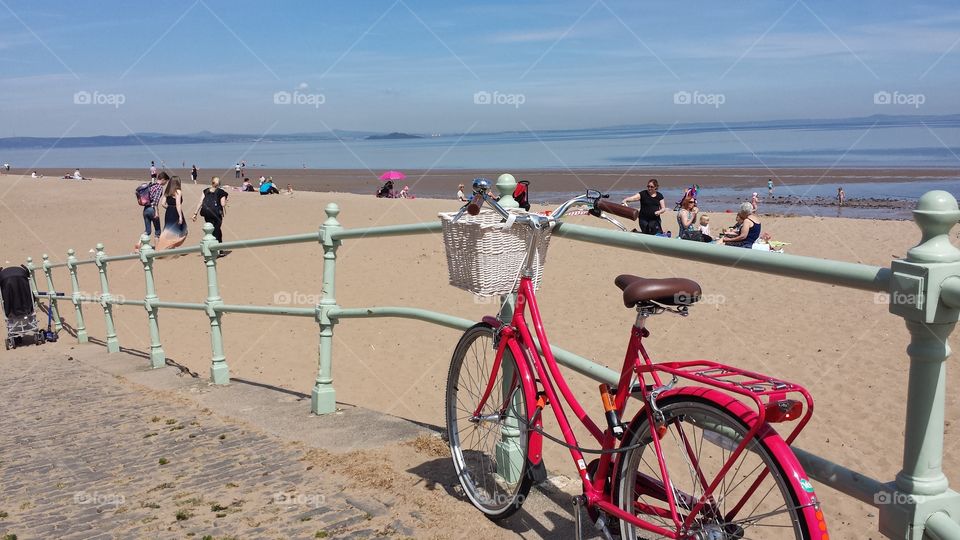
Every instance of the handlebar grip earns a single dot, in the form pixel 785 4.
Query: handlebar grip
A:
pixel 473 208
pixel 618 209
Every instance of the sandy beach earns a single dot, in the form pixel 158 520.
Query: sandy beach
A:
pixel 841 344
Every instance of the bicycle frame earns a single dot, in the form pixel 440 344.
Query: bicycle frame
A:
pixel 719 382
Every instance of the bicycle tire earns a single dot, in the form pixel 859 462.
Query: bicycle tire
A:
pixel 686 411
pixel 474 446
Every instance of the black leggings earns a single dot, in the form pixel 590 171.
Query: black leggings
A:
pixel 651 226
pixel 214 219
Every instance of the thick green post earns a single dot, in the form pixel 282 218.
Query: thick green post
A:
pixel 33 282
pixel 107 302
pixel 158 358
pixel 77 303
pixel 219 371
pixel 52 299
pixel 506 184
pixel 508 452
pixel 323 397
pixel 915 294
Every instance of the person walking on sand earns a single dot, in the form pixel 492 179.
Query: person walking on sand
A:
pixel 236 170
pixel 755 201
pixel 213 208
pixel 174 225
pixel 841 196
pixel 769 187
pixel 151 212
pixel 153 170
pixel 651 206
pixel 194 173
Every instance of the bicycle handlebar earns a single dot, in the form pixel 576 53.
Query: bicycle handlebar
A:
pixel 481 186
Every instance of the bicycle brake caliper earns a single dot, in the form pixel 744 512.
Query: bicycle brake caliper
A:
pixel 658 418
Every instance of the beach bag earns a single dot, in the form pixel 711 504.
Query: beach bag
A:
pixel 143 194
pixel 521 194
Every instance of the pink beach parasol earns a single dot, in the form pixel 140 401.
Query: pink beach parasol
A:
pixel 392 175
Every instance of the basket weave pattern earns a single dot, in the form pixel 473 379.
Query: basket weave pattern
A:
pixel 485 258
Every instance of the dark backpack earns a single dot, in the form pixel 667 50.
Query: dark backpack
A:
pixel 521 194
pixel 143 194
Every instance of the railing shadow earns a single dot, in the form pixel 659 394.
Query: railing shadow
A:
pixel 70 330
pixel 439 473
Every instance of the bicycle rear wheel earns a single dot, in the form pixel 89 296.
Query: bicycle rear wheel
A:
pixel 698 441
pixel 489 449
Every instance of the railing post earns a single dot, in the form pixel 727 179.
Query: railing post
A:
pixel 915 294
pixel 33 282
pixel 323 398
pixel 158 358
pixel 77 303
pixel 106 301
pixel 510 457
pixel 506 184
pixel 52 298
pixel 219 371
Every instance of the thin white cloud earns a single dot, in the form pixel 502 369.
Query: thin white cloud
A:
pixel 533 36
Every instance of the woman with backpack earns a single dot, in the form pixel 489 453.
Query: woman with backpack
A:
pixel 213 206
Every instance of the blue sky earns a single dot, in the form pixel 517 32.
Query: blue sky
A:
pixel 405 65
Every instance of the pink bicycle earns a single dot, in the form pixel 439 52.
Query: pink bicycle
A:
pixel 698 460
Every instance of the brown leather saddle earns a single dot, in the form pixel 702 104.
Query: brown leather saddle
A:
pixel 666 292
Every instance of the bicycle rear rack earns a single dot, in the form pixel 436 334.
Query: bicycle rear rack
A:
pixel 775 399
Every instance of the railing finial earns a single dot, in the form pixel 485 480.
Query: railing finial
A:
pixel 332 210
pixel 936 214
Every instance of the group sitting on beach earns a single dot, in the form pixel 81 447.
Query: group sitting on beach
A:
pixel 75 176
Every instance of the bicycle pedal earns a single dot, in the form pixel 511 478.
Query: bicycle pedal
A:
pixel 537 473
pixel 601 526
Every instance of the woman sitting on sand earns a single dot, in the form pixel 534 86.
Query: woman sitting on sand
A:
pixel 267 188
pixel 687 220
pixel 174 226
pixel 748 230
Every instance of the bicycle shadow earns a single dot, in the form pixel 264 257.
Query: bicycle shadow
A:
pixel 547 512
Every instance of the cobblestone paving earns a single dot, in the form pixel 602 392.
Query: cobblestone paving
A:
pixel 87 455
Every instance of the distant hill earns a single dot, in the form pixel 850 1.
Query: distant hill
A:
pixel 394 135
pixel 206 137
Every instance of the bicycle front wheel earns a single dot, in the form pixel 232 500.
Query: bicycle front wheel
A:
pixel 753 499
pixel 488 442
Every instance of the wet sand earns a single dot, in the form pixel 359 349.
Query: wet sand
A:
pixel 443 183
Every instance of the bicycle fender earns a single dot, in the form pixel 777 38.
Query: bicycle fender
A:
pixel 535 443
pixel 793 471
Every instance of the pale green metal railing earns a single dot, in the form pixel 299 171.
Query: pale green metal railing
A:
pixel 924 289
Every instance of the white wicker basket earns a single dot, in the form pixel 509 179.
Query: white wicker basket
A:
pixel 485 258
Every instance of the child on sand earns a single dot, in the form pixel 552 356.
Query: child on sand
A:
pixel 705 227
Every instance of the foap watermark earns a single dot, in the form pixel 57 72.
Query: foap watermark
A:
pixel 697 97
pixel 297 97
pixel 896 498
pixel 287 298
pixel 98 499
pixel 897 98
pixel 299 499
pixel 497 98
pixel 897 299
pixel 84 97
pixel 708 299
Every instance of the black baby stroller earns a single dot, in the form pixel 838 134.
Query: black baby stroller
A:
pixel 18 307
pixel 386 191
